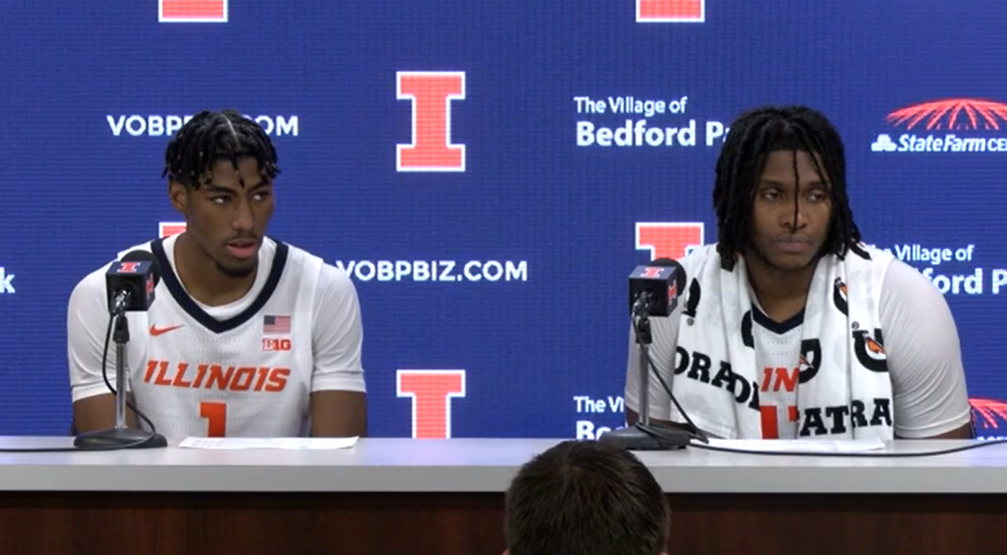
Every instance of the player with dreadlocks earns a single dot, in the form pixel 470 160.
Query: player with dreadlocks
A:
pixel 791 327
pixel 775 133
pixel 248 336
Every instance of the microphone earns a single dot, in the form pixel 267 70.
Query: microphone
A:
pixel 130 282
pixel 129 285
pixel 653 291
pixel 654 288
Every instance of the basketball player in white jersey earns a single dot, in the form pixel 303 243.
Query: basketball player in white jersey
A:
pixel 782 212
pixel 247 336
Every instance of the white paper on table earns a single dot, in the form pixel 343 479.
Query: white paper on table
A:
pixel 268 442
pixel 801 446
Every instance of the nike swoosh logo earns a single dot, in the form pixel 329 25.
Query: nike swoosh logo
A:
pixel 155 331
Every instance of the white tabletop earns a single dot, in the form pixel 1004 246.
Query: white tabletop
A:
pixel 483 465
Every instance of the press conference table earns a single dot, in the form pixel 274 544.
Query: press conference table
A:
pixel 389 496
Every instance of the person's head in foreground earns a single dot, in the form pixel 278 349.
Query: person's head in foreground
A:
pixel 585 498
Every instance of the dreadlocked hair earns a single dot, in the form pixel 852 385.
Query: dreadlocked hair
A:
pixel 212 136
pixel 751 137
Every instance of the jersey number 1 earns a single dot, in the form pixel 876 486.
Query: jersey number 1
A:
pixel 216 418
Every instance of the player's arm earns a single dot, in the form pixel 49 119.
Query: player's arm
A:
pixel 86 324
pixel 924 358
pixel 338 391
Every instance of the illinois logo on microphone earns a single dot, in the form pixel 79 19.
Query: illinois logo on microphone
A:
pixel 128 267
pixel 672 240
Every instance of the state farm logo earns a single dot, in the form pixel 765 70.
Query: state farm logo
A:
pixel 670 11
pixel 431 392
pixel 945 126
pixel 192 11
pixel 430 93
pixel 668 239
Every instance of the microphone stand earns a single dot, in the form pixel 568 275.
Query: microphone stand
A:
pixel 643 436
pixel 120 436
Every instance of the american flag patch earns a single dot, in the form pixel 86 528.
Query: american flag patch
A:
pixel 276 324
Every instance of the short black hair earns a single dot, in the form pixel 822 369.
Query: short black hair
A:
pixel 586 497
pixel 750 138
pixel 213 136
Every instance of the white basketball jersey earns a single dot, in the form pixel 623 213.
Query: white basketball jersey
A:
pixel 781 364
pixel 249 375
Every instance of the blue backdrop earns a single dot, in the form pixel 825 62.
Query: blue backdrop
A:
pixel 532 236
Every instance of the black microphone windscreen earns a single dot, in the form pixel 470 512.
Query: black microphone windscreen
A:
pixel 679 271
pixel 145 256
